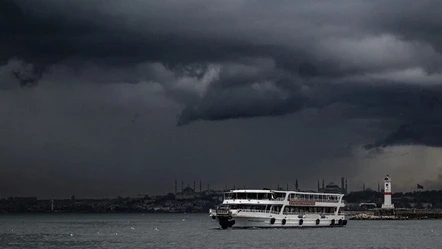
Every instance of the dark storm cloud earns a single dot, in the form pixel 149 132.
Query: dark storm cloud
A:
pixel 237 59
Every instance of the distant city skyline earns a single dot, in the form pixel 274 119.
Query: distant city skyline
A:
pixel 205 186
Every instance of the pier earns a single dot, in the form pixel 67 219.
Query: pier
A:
pixel 396 214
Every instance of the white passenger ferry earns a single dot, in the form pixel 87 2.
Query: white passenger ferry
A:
pixel 274 208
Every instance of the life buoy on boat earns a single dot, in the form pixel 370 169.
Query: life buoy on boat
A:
pixel 340 222
pixel 272 221
pixel 283 221
pixel 317 221
pixel 332 222
pixel 301 221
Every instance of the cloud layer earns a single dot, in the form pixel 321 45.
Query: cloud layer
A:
pixel 238 59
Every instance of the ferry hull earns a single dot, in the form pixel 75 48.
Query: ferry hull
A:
pixel 280 222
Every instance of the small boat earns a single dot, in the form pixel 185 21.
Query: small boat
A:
pixel 250 208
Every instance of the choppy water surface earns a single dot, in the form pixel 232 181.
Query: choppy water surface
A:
pixel 199 231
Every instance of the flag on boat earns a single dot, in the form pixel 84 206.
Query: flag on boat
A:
pixel 420 186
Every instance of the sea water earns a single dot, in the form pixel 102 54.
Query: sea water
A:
pixel 110 231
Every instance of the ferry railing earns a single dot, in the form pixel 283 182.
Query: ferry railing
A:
pixel 316 200
pixel 257 211
pixel 302 213
pixel 254 199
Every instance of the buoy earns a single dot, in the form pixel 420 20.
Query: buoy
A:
pixel 272 221
pixel 301 221
pixel 317 222
pixel 283 221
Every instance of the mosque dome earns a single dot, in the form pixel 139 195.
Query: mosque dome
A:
pixel 332 185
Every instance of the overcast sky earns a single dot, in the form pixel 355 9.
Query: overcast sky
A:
pixel 101 98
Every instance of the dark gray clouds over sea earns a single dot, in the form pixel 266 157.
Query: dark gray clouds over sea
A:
pixel 121 97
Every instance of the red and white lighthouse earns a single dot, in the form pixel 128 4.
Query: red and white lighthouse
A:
pixel 387 194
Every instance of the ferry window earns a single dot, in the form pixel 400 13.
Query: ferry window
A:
pixel 263 196
pixel 280 195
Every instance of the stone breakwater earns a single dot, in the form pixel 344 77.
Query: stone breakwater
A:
pixel 397 216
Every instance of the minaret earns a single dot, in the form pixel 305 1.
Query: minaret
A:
pixel 175 186
pixel 342 185
pixel 182 186
pixel 194 189
pixel 387 194
pixel 363 186
pixel 323 185
pixel 296 185
pixel 318 187
pixel 201 186
pixel 379 188
pixel 346 186
pixel 52 205
pixel 287 187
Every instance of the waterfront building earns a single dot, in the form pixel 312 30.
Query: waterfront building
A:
pixel 187 194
